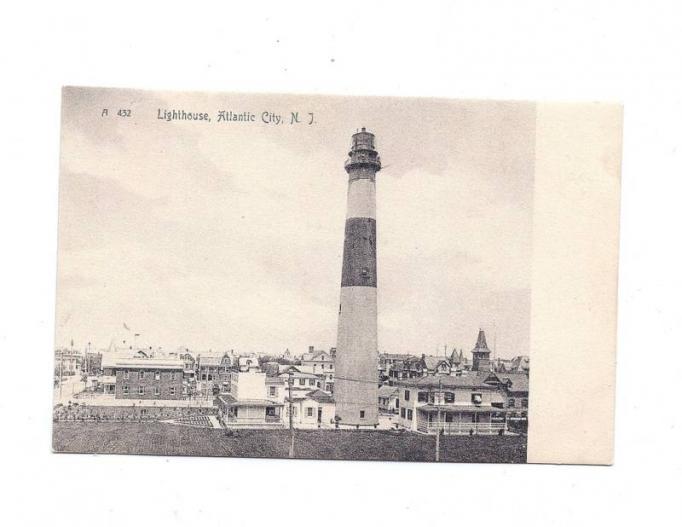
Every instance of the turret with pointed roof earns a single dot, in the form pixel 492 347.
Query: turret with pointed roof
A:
pixel 454 357
pixel 481 353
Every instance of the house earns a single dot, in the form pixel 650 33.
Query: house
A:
pixel 408 368
pixel 302 381
pixel 388 399
pixel 67 361
pixel 213 372
pixel 254 401
pixel 142 378
pixel 435 365
pixel 315 409
pixel 387 362
pixel 319 362
pixel 520 364
pixel 459 362
pixel 454 404
pixel 516 392
pixel 248 363
pixel 271 368
pixel 190 363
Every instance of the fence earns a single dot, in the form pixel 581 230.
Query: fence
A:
pixel 454 428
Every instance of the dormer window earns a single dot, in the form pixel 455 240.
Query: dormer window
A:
pixel 476 398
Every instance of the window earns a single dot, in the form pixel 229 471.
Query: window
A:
pixel 126 389
pixel 140 390
pixel 422 397
pixel 331 366
pixel 157 391
pixel 407 395
pixel 126 374
pixel 512 402
pixel 309 411
pixel 409 415
pixel 173 376
pixel 141 374
pixel 311 382
pixel 476 398
pixel 362 414
pixel 402 413
pixel 273 391
pixel 397 403
pixel 210 377
pixel 301 382
pixel 171 390
pixel 524 403
pixel 157 375
pixel 449 397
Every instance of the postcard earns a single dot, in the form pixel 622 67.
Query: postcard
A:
pixel 336 277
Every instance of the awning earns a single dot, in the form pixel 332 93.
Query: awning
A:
pixel 255 402
pixel 430 408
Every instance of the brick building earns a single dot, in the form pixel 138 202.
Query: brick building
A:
pixel 139 378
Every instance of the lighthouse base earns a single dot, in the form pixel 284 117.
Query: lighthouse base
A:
pixel 356 383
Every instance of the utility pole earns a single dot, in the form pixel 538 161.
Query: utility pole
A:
pixel 291 416
pixel 438 395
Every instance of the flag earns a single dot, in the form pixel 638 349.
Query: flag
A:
pixel 137 334
pixel 126 327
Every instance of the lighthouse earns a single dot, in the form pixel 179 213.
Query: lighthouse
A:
pixel 356 384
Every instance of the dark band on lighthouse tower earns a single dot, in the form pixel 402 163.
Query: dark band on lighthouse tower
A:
pixel 356 385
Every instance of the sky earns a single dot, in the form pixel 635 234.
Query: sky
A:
pixel 229 235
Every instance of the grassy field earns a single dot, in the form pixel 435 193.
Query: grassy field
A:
pixel 172 440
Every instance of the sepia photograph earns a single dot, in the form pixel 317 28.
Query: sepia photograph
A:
pixel 293 276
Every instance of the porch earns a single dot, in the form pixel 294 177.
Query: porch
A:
pixel 250 413
pixel 463 420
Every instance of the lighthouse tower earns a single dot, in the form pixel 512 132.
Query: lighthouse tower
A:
pixel 356 384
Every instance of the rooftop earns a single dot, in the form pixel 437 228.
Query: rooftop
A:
pixel 210 360
pixel 229 400
pixel 320 396
pixel 318 355
pixel 519 381
pixel 446 381
pixel 142 363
